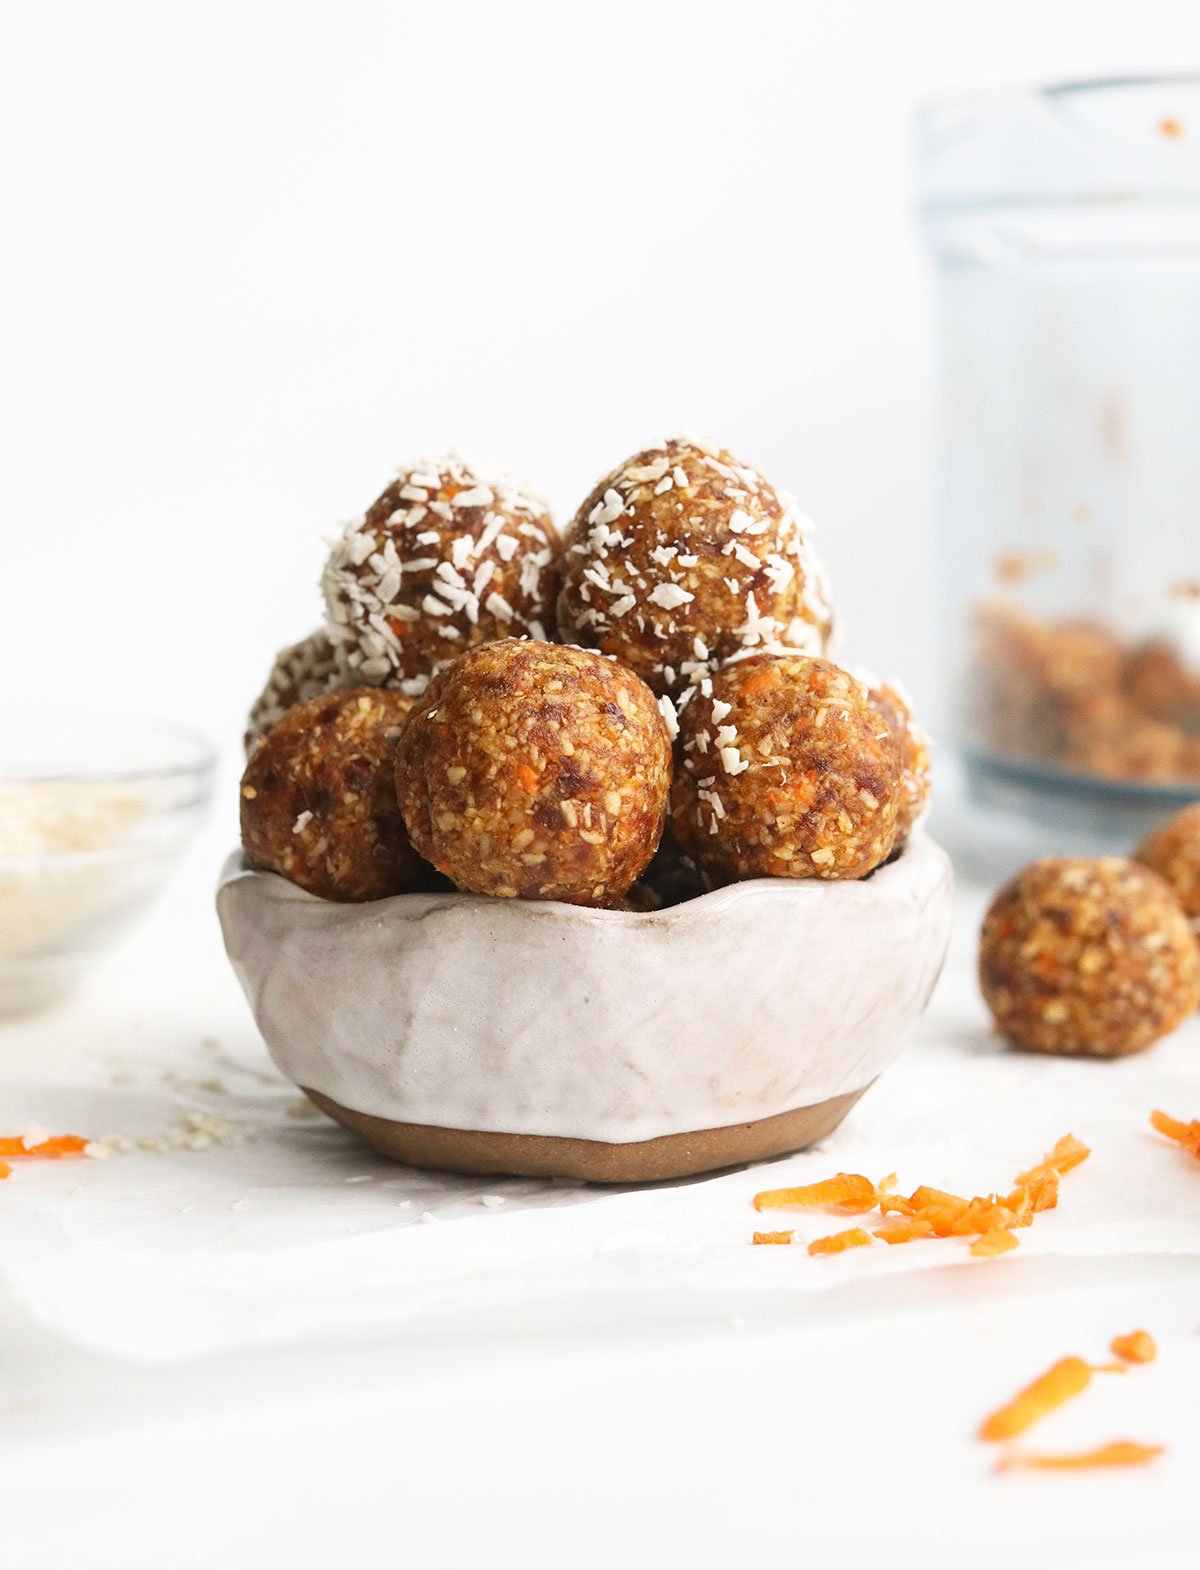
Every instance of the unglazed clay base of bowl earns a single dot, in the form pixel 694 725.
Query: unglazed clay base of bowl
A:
pixel 509 1036
pixel 594 1160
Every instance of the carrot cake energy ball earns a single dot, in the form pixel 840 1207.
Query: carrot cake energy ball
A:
pixel 449 556
pixel 1091 957
pixel 302 670
pixel 683 557
pixel 1173 851
pixel 318 798
pixel 788 770
pixel 536 771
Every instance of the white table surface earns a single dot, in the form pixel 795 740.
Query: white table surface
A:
pixel 234 1356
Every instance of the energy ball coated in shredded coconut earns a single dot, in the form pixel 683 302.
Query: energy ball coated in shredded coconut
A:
pixel 318 798
pixel 683 557
pixel 302 670
pixel 787 771
pixel 894 704
pixel 1088 957
pixel 1173 851
pixel 450 555
pixel 535 771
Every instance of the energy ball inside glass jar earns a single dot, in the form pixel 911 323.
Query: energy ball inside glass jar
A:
pixel 1173 851
pixel 1088 957
pixel 302 670
pixel 890 700
pixel 535 771
pixel 1164 686
pixel 788 771
pixel 683 557
pixel 450 555
pixel 318 798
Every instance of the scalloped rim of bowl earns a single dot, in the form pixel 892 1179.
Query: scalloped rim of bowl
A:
pixel 507 1017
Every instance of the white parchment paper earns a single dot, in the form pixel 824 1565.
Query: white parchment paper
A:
pixel 282 1230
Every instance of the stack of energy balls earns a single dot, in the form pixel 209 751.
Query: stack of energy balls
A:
pixel 621 717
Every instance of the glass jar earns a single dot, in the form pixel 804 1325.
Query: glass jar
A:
pixel 1065 223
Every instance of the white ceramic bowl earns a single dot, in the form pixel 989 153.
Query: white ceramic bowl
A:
pixel 479 1034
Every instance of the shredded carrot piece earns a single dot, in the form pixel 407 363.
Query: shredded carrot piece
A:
pixel 5 1170
pixel 988 1244
pixel 1069 1377
pixel 528 778
pixel 839 1242
pixel 1137 1347
pixel 60 1145
pixel 1042 1190
pixel 1185 1134
pixel 924 1198
pixel 773 1237
pixel 905 1231
pixel 1067 1154
pixel 933 1212
pixel 767 677
pixel 846 1189
pixel 1118 1452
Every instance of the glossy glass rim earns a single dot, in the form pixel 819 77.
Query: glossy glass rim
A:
pixel 198 763
pixel 984 96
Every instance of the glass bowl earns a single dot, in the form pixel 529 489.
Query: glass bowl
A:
pixel 94 810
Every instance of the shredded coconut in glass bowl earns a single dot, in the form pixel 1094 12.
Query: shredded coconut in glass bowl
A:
pixel 93 810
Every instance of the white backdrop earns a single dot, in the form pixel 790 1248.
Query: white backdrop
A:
pixel 253 255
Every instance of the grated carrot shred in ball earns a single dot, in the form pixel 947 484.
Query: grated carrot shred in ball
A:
pixel 1118 1452
pixel 5 1170
pixel 1067 1378
pixel 53 1148
pixel 773 1237
pixel 1185 1134
pixel 1137 1347
pixel 839 1242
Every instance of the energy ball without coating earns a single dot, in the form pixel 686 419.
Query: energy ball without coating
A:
pixel 1088 957
pixel 787 771
pixel 893 703
pixel 684 557
pixel 1173 851
pixel 1164 686
pixel 536 771
pixel 302 670
pixel 449 556
pixel 318 798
